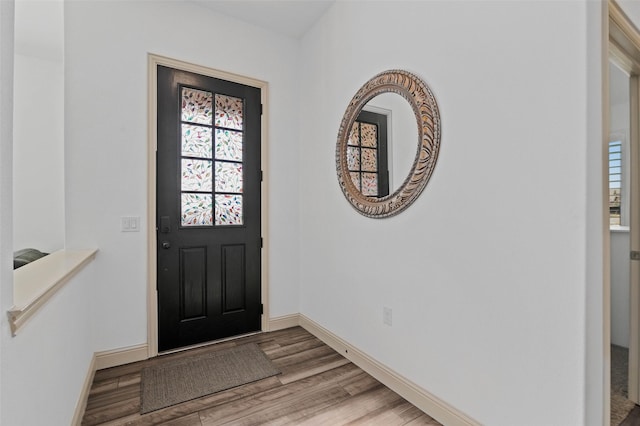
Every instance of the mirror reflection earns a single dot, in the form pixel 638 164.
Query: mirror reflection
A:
pixel 367 154
pixel 391 120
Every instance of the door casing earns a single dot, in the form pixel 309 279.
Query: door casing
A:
pixel 153 62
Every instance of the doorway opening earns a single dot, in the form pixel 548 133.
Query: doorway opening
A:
pixel 620 167
pixel 623 149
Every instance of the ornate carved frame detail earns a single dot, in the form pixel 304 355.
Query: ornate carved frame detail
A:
pixel 425 108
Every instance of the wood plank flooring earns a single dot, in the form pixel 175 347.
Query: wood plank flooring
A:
pixel 633 419
pixel 318 386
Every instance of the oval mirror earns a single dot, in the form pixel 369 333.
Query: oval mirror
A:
pixel 381 169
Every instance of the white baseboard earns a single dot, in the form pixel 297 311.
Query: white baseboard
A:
pixel 102 360
pixel 81 405
pixel 430 404
pixel 285 321
pixel 121 356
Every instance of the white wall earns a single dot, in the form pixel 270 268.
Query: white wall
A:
pixel 6 159
pixel 486 272
pixel 44 367
pixel 38 144
pixel 631 8
pixel 106 142
pixel 620 119
pixel 38 154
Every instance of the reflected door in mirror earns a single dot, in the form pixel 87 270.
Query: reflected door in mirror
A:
pixel 367 154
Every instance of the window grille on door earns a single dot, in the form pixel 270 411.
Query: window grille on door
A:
pixel 211 158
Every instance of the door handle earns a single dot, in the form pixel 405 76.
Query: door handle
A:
pixel 166 245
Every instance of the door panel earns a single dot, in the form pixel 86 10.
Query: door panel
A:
pixel 208 208
pixel 193 282
pixel 233 278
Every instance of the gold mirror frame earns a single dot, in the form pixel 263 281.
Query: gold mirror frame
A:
pixel 425 108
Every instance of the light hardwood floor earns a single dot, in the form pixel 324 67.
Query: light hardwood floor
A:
pixel 318 386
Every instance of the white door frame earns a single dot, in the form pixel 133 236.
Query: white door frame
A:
pixel 152 300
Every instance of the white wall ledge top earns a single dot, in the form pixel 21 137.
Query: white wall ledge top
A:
pixel 35 283
pixel 615 228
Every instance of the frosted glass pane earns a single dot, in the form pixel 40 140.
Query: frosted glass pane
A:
pixel 228 145
pixel 196 175
pixel 229 111
pixel 370 184
pixel 353 158
pixel 354 135
pixel 355 178
pixel 197 210
pixel 228 177
pixel 369 160
pixel 197 106
pixel 369 134
pixel 228 209
pixel 196 141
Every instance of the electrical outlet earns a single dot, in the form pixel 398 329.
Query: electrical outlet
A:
pixel 387 316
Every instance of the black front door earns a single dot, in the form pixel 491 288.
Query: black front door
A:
pixel 208 208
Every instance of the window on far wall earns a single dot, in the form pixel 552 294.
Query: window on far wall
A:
pixel 615 183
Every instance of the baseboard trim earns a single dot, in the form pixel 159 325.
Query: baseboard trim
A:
pixel 81 405
pixel 283 322
pixel 102 360
pixel 430 404
pixel 113 358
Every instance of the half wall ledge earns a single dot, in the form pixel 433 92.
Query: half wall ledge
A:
pixel 35 283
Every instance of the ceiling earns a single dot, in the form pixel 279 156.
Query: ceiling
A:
pixel 39 27
pixel 291 18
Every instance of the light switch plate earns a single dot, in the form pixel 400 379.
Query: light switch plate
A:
pixel 130 224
